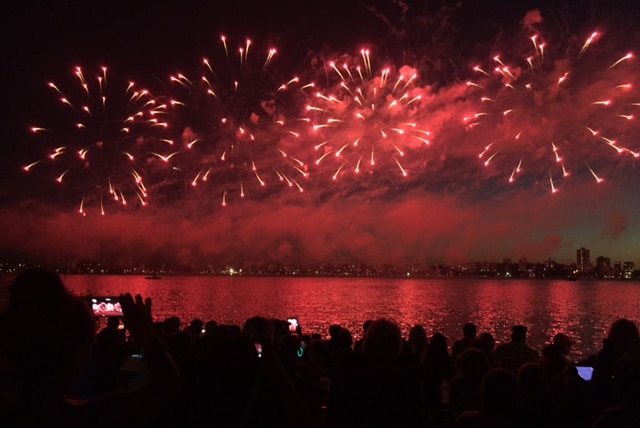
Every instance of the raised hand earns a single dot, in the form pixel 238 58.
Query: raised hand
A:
pixel 138 320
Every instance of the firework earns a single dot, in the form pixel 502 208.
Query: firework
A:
pixel 97 152
pixel 546 116
pixel 237 139
pixel 366 123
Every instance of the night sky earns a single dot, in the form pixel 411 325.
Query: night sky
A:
pixel 499 130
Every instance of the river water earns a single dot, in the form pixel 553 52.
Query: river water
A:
pixel 582 309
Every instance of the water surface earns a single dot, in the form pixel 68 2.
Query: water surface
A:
pixel 582 309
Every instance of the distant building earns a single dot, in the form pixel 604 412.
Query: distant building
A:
pixel 583 259
pixel 603 268
pixel 628 270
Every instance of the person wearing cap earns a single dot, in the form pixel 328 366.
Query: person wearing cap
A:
pixel 555 356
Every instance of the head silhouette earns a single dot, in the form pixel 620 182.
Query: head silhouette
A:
pixel 383 340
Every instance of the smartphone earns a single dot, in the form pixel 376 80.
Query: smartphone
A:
pixel 106 306
pixel 585 372
pixel 294 325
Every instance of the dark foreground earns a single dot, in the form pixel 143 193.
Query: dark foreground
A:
pixel 56 371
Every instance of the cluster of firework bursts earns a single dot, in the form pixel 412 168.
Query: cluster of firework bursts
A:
pixel 102 150
pixel 364 125
pixel 239 128
pixel 236 127
pixel 548 116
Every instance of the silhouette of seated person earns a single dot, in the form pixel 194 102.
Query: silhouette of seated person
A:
pixel 513 354
pixel 49 335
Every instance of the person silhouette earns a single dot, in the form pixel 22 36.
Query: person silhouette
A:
pixel 469 331
pixel 49 342
pixel 512 355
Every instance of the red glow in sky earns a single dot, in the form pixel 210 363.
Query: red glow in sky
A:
pixel 366 145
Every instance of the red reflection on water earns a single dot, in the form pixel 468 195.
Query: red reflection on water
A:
pixel 583 310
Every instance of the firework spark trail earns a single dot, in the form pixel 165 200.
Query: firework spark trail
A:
pixel 366 123
pixel 537 113
pixel 97 151
pixel 555 115
pixel 237 139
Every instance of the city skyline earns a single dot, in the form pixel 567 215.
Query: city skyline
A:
pixel 515 137
pixel 581 268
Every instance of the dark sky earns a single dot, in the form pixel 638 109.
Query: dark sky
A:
pixel 450 208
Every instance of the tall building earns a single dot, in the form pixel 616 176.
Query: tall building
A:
pixel 583 259
pixel 628 268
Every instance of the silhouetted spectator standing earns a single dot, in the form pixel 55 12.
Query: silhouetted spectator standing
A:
pixel 208 339
pixel 469 332
pixel 555 356
pixel 276 403
pixel 464 387
pixel 537 409
pixel 485 342
pixel 622 343
pixel 334 329
pixel 344 367
pixel 625 412
pixel 514 354
pixel 418 342
pixel 50 343
pixel 438 369
pixel 387 392
pixel 573 399
pixel 357 347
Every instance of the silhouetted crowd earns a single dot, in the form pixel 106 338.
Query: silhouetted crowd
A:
pixel 57 368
